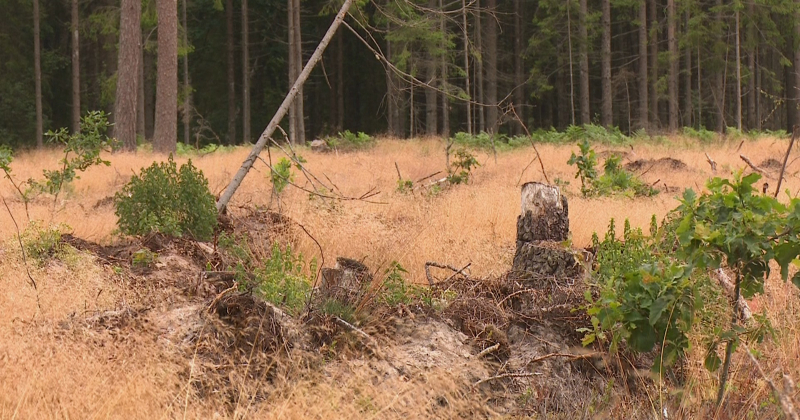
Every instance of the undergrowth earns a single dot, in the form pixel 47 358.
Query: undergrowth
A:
pixel 615 180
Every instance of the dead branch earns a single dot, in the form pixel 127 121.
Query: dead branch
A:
pixel 370 341
pixel 712 163
pixel 429 176
pixel 756 168
pixel 528 133
pixel 456 271
pixel 744 310
pixel 221 295
pixel 399 177
pixel 283 109
pixel 488 350
pixel 786 159
pixel 507 375
pixel 568 356
pixel 787 405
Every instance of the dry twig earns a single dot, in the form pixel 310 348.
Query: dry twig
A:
pixel 786 159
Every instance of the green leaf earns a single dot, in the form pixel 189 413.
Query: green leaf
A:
pixel 796 279
pixel 643 337
pixel 712 361
pixel 657 308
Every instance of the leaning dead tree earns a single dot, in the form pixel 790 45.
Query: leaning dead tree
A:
pixel 282 110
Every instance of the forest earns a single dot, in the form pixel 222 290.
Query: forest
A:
pixel 215 71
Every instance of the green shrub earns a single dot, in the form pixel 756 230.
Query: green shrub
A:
pixel 586 163
pixel 281 278
pixel 462 167
pixel 167 200
pixel 615 179
pixel 43 242
pixel 348 141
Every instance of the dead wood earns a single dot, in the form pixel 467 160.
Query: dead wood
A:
pixel 712 163
pixel 786 159
pixel 756 168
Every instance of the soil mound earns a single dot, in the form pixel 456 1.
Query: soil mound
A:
pixel 665 163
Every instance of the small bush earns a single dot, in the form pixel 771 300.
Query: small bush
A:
pixel 281 279
pixel 348 141
pixel 166 200
pixel 615 179
pixel 462 167
pixel 43 242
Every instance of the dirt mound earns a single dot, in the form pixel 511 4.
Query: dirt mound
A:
pixel 771 164
pixel 665 163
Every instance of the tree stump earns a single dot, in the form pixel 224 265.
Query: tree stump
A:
pixel 542 228
pixel 346 282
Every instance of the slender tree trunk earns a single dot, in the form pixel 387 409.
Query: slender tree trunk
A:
pixel 431 95
pixel 299 108
pixel 292 70
pixel 571 67
pixel 340 84
pixel 583 63
pixel 187 86
pixel 606 110
pixel 796 92
pixel 738 100
pixel 130 38
pixel 491 65
pixel 466 65
pixel 652 10
pixel 231 67
pixel 719 82
pixel 687 85
pixel 165 138
pixel 141 120
pixel 751 67
pixel 149 95
pixel 37 75
pixel 245 73
pixel 391 93
pixel 443 77
pixel 479 85
pixel 672 82
pixel 76 68
pixel 519 75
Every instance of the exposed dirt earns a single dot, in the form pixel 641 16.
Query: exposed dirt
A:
pixel 771 164
pixel 503 346
pixel 665 163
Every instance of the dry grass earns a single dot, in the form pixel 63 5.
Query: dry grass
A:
pixel 44 374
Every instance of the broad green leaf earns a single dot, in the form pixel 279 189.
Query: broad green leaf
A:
pixel 658 308
pixel 712 361
pixel 642 338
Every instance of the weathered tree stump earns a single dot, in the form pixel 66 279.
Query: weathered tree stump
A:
pixel 542 228
pixel 346 282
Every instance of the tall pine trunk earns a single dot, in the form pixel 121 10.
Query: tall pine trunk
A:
pixel 166 131
pixel 231 71
pixel 479 95
pixel 37 75
pixel 752 42
pixel 76 67
pixel 466 65
pixel 606 110
pixel 292 70
pixel 187 86
pixel 583 63
pixel 299 107
pixel 672 76
pixel 687 81
pixel 738 99
pixel 340 84
pixel 519 75
pixel 431 95
pixel 652 10
pixel 491 65
pixel 141 119
pixel 245 73
pixel 719 81
pixel 795 94
pixel 130 38
pixel 443 75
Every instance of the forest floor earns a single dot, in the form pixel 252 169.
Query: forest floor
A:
pixel 102 339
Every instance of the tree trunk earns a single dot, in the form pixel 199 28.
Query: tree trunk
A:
pixel 583 63
pixel 687 95
pixel 166 132
pixel 466 65
pixel 491 65
pixel 672 77
pixel 149 95
pixel 245 73
pixel 187 86
pixel 738 100
pixel 541 228
pixel 299 107
pixel 719 82
pixel 37 75
pixel 519 75
pixel 652 9
pixel 292 61
pixel 231 67
pixel 340 85
pixel 571 67
pixel 643 86
pixel 130 38
pixel 76 68
pixel 141 121
pixel 443 77
pixel 752 40
pixel 606 110
pixel 795 94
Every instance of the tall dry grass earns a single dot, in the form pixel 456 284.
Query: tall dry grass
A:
pixel 44 374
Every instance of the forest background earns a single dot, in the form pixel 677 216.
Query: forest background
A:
pixel 213 71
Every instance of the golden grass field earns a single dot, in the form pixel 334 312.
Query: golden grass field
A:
pixel 45 374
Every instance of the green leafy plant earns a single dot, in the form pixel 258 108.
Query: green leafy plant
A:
pixel 405 186
pixel 348 141
pixel 462 167
pixel 167 200
pixel 734 226
pixel 281 174
pixel 586 163
pixel 281 278
pixel 143 259
pixel 43 242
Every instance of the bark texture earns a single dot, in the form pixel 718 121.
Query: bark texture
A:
pixel 165 138
pixel 76 68
pixel 125 103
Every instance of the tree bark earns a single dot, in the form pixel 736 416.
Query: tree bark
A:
pixel 76 67
pixel 672 77
pixel 606 110
pixel 719 81
pixel 491 65
pixel 130 38
pixel 231 71
pixel 166 131
pixel 796 93
pixel 583 64
pixel 245 73
pixel 226 195
pixel 340 85
pixel 292 61
pixel 187 86
pixel 652 10
pixel 466 65
pixel 643 86
pixel 751 67
pixel 738 100
pixel 443 77
pixel 37 75
pixel 519 75
pixel 479 95
pixel 687 85
pixel 141 121
pixel 298 55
